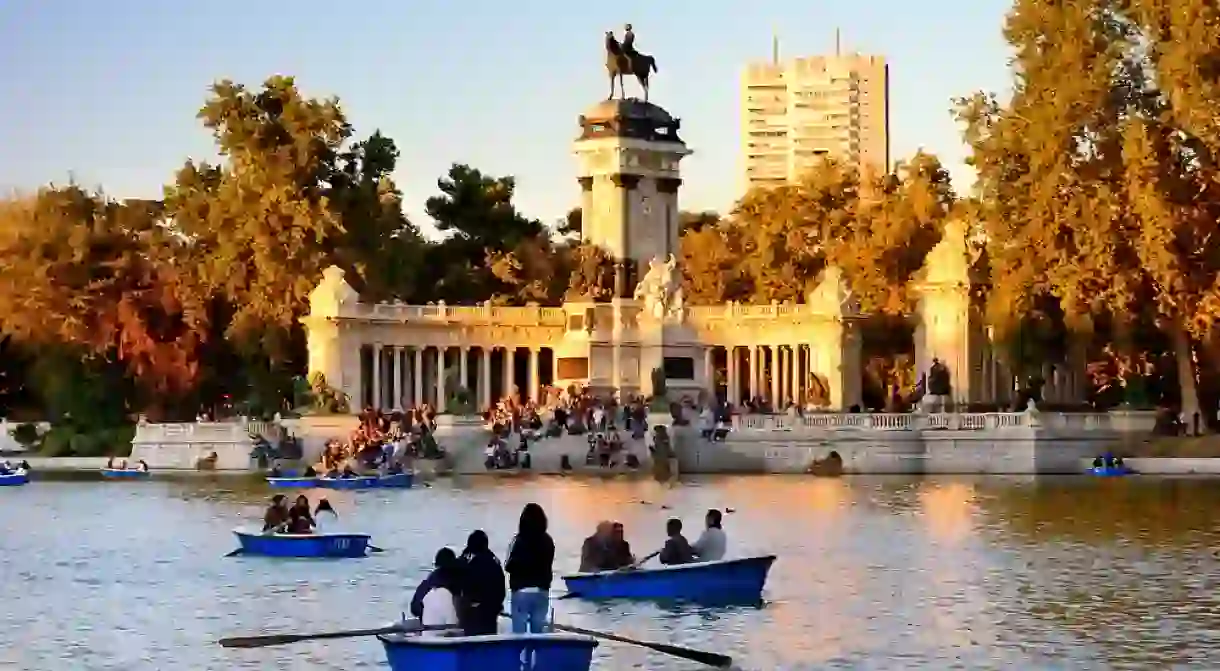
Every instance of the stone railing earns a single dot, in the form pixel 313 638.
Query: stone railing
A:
pixel 984 421
pixel 460 314
pixel 204 432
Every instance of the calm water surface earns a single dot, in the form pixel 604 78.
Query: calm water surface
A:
pixel 874 573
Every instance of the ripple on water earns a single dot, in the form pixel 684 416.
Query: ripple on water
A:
pixel 874 573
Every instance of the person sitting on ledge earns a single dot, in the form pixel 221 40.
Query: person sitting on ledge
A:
pixel 677 549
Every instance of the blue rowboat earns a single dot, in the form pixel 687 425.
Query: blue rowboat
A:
pixel 1110 471
pixel 396 481
pixel 359 482
pixel 726 579
pixel 14 479
pixel 544 652
pixel 329 546
pixel 124 473
pixel 292 482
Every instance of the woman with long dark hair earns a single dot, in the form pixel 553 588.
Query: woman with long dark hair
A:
pixel 480 586
pixel 530 567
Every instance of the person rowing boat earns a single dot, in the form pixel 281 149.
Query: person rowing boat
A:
pixel 606 549
pixel 276 515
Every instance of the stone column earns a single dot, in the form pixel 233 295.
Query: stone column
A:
pixel 709 372
pixel 396 367
pixel 440 378
pixel 795 379
pixel 463 370
pixel 534 382
pixel 775 368
pixel 376 376
pixel 755 377
pixel 417 380
pixel 485 378
pixel 509 368
pixel 781 356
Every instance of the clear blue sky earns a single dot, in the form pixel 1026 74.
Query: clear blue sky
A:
pixel 106 92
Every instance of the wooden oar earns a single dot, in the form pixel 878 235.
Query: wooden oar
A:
pixel 284 639
pixel 629 567
pixel 713 659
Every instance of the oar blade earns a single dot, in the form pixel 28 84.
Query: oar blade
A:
pixel 713 659
pixel 261 641
pixel 284 639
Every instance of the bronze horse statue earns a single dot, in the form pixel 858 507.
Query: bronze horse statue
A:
pixel 619 63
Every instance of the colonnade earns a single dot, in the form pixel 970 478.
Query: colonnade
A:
pixel 397 377
pixel 779 374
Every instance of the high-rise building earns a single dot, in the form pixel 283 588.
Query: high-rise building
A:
pixel 796 111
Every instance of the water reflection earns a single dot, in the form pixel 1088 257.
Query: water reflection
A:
pixel 878 573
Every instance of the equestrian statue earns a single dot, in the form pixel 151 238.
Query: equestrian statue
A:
pixel 623 59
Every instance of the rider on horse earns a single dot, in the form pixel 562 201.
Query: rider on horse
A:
pixel 629 42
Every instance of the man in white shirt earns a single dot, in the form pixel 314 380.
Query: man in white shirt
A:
pixel 712 542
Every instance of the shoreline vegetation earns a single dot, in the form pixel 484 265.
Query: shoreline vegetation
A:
pixel 1090 239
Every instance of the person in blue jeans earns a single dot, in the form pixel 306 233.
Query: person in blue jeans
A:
pixel 530 568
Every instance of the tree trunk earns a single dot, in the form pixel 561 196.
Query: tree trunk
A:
pixel 1183 352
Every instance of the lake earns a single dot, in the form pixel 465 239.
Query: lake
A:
pixel 873 572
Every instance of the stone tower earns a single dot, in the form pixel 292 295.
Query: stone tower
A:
pixel 628 153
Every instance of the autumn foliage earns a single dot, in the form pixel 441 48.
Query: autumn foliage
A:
pixel 1093 220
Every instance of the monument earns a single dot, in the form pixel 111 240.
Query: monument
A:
pixel 630 330
pixel 629 156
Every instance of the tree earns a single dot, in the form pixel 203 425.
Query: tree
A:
pixel 711 265
pixel 572 224
pixel 261 226
pixel 379 245
pixel 1097 178
pixel 896 222
pixel 537 271
pixel 103 279
pixel 477 212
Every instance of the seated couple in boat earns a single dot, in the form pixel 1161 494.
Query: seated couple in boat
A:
pixel 1108 460
pixel 297 519
pixel 121 465
pixel 7 468
pixel 606 549
pixel 346 472
pixel 709 547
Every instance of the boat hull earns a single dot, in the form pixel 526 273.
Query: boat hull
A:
pixel 547 652
pixel 124 474
pixel 326 546
pixel 294 483
pixel 14 479
pixel 396 481
pixel 1110 471
pixel 361 482
pixel 727 580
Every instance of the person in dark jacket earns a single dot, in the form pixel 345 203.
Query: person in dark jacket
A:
pixel 677 549
pixel 481 585
pixel 530 568
pixel 445 565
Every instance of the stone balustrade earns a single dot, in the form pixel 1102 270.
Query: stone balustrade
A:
pixel 982 421
pixel 181 445
pixel 440 313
